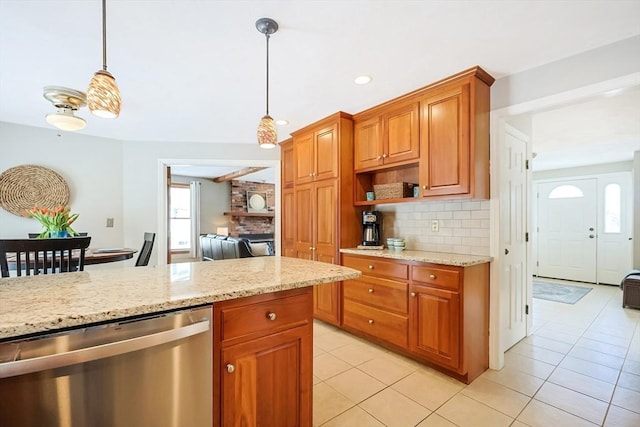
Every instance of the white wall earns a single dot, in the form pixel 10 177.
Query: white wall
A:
pixel 636 209
pixel 91 166
pixel 215 199
pixel 583 170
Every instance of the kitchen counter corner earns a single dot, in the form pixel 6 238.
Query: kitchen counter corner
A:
pixel 443 258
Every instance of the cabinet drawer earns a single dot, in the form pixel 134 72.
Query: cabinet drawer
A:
pixel 375 266
pixel 255 320
pixel 445 278
pixel 385 294
pixel 378 323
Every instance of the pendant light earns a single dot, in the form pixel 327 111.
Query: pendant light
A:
pixel 103 95
pixel 66 102
pixel 267 133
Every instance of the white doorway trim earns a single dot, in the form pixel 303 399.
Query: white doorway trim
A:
pixel 163 164
pixel 497 118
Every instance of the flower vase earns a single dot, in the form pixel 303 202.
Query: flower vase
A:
pixel 58 234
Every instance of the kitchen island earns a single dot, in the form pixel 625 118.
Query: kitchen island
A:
pixel 259 343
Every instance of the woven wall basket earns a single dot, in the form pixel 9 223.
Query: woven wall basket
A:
pixel 23 187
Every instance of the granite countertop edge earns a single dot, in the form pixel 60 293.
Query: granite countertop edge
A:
pixel 63 301
pixel 444 258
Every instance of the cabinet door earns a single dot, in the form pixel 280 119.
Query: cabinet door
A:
pixel 304 221
pixel 326 153
pixel 287 224
pixel 435 318
pixel 326 302
pixel 286 162
pixel 445 143
pixel 268 381
pixel 367 144
pixel 401 134
pixel 303 155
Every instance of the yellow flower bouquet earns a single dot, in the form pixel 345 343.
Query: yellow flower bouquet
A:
pixel 56 222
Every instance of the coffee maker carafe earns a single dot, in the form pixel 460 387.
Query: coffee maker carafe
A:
pixel 371 228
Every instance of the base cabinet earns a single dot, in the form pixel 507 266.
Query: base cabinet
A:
pixel 438 314
pixel 263 353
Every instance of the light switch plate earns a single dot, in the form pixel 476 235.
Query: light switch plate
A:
pixel 435 226
pixel 109 222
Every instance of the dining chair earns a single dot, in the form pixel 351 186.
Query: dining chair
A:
pixel 43 256
pixel 145 252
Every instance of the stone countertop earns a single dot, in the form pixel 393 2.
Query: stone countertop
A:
pixel 444 258
pixel 35 304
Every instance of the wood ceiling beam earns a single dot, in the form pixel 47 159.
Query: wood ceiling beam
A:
pixel 237 174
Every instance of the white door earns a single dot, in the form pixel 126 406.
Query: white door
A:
pixel 615 229
pixel 513 223
pixel 567 230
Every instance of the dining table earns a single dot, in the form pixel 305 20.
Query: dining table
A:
pixel 98 255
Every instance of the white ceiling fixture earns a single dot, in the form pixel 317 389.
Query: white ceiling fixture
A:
pixel 362 80
pixel 282 122
pixel 267 133
pixel 66 102
pixel 103 95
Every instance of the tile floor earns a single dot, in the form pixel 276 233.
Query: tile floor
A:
pixel 580 367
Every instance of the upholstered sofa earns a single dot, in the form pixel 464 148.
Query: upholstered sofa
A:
pixel 218 247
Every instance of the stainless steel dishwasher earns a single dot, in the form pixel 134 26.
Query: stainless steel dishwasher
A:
pixel 149 371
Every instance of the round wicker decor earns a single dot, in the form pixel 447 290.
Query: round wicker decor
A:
pixel 23 187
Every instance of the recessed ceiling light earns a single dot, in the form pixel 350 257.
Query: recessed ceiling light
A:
pixel 282 122
pixel 362 80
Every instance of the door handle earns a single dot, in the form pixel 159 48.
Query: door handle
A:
pixel 590 228
pixel 506 251
pixel 591 236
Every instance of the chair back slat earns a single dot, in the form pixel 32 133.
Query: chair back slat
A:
pixel 145 252
pixel 43 256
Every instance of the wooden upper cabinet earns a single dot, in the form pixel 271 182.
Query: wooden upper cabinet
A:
pixel 401 134
pixel 286 163
pixel 445 164
pixel 316 155
pixel 392 136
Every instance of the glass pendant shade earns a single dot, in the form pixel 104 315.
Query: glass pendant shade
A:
pixel 103 95
pixel 65 120
pixel 267 133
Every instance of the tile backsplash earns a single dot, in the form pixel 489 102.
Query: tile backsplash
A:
pixel 463 225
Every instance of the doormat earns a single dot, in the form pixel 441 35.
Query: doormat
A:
pixel 561 293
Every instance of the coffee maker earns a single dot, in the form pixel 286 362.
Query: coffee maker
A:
pixel 371 228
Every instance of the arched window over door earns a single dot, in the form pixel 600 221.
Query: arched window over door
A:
pixel 566 192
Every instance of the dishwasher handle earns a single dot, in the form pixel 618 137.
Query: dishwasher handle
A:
pixel 51 361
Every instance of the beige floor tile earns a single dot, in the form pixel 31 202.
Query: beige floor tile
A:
pixel 537 353
pixel 582 384
pixel 629 380
pixel 602 347
pixel 354 417
pixel 357 353
pixel 394 409
pixel 528 365
pixel 539 414
pixel 496 396
pixel 619 417
pixel 435 420
pixel 573 402
pixel 601 372
pixel 599 336
pixel 548 343
pixel 519 424
pixel 320 328
pixel 597 357
pixel 464 411
pixel 317 351
pixel 316 380
pixel 385 370
pixel 515 380
pixel 326 366
pixel 355 384
pixel 429 390
pixel 328 403
pixel 332 340
pixel 554 334
pixel 627 399
pixel 631 366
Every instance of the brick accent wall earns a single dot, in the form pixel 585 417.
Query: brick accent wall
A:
pixel 463 225
pixel 250 225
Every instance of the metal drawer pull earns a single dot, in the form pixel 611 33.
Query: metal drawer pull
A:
pixel 413 294
pixel 432 276
pixel 271 316
pixel 371 321
pixel 370 290
pixel 370 267
pixel 230 368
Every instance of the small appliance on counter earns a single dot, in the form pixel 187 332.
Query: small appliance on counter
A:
pixel 371 228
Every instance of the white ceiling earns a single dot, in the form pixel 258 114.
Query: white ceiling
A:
pixel 195 70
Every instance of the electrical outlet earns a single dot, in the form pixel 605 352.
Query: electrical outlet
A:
pixel 435 226
pixel 109 222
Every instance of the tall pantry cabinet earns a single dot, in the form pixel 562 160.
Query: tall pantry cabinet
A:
pixel 322 218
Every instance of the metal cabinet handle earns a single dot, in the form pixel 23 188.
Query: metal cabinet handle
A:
pixel 311 174
pixel 378 158
pixel 370 267
pixel 425 187
pixel 230 368
pixel 271 316
pixel 370 290
pixel 432 276
pixel 413 294
pixel 384 156
pixel 371 321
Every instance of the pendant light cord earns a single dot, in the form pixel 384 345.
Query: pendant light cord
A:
pixel 267 35
pixel 104 35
